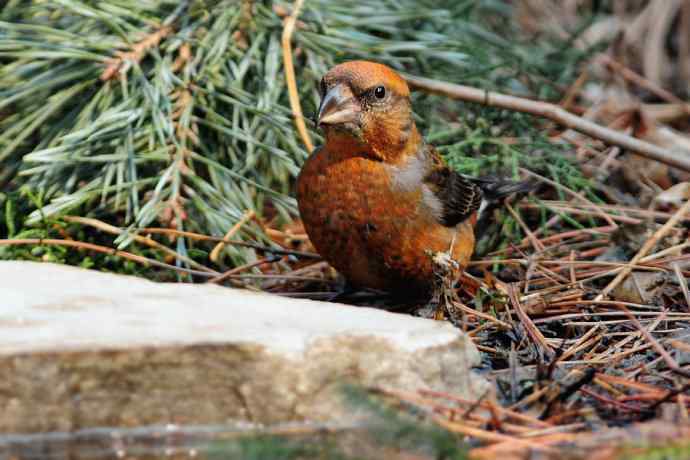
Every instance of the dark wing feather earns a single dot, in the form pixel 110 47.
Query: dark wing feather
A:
pixel 459 196
pixel 496 188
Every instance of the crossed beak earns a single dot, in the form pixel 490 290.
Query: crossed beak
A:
pixel 338 106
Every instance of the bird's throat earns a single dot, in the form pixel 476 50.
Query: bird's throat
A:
pixel 389 148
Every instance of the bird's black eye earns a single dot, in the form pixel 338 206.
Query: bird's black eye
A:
pixel 380 92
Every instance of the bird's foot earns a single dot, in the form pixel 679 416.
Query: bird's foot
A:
pixel 443 293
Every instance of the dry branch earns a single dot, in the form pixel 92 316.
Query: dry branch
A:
pixel 290 76
pixel 679 159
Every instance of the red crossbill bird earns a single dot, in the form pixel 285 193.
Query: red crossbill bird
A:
pixel 376 200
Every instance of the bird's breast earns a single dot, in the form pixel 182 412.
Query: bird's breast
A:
pixel 374 222
pixel 353 195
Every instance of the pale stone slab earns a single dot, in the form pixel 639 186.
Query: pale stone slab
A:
pixel 80 348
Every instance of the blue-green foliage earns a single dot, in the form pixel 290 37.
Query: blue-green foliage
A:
pixel 199 129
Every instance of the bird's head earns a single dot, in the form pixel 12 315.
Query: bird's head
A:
pixel 367 105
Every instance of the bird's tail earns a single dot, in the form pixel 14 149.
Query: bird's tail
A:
pixel 496 189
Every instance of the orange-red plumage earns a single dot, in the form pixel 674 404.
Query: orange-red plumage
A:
pixel 376 200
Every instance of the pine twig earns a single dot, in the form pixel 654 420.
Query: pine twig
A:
pixel 679 159
pixel 290 76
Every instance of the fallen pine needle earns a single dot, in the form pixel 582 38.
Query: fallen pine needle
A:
pixel 104 250
pixel 648 245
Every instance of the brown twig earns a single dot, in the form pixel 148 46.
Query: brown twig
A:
pixel 258 247
pixel 95 223
pixel 531 329
pixel 484 435
pixel 115 66
pixel 248 215
pixel 228 274
pixel 290 80
pixel 526 418
pixel 680 159
pixel 455 426
pixel 485 316
pixel 103 250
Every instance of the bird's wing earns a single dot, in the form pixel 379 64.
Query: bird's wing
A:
pixel 459 196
